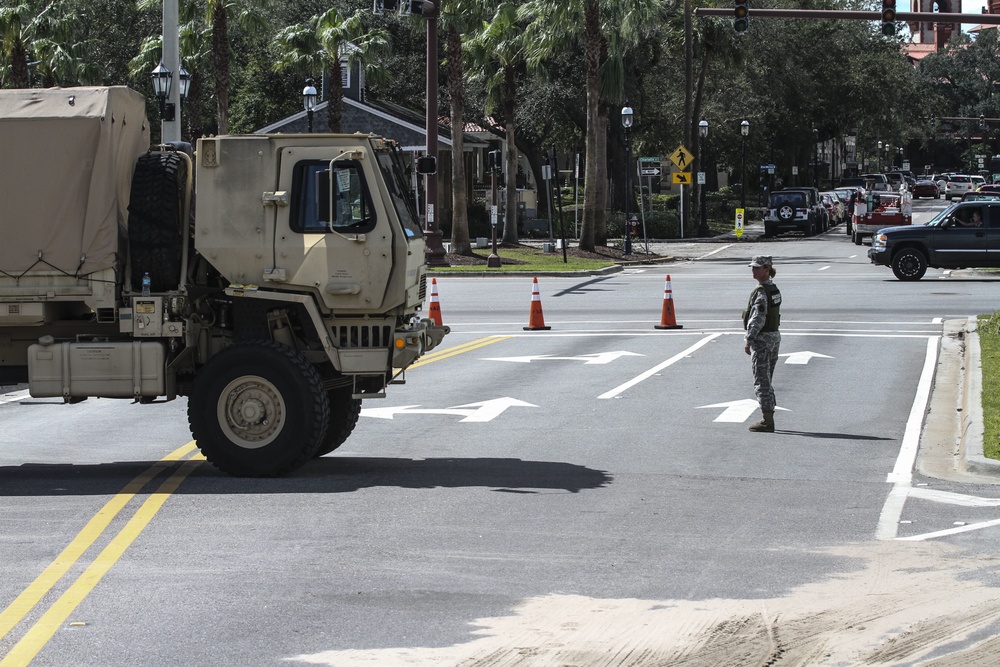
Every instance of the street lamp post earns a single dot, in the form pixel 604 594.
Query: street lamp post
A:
pixel 309 101
pixel 703 133
pixel 744 132
pixel 878 158
pixel 162 81
pixel 627 125
pixel 162 84
pixel 815 158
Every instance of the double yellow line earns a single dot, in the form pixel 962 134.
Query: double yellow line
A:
pixel 42 631
pixel 438 355
pixel 25 650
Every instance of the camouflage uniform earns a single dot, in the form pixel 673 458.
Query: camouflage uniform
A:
pixel 761 319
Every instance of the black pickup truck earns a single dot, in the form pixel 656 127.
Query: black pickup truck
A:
pixel 965 235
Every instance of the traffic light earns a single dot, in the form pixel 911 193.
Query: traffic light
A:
pixel 741 15
pixel 494 161
pixel 888 17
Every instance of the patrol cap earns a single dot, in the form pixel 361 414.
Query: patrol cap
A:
pixel 760 260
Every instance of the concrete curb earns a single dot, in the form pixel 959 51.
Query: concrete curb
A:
pixel 971 421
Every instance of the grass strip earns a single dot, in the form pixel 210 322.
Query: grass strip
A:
pixel 989 341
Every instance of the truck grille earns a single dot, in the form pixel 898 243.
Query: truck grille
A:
pixel 364 336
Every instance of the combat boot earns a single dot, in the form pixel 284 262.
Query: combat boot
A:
pixel 765 425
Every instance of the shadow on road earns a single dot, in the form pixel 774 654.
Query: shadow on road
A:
pixel 832 436
pixel 324 475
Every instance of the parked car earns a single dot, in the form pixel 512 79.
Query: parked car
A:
pixel 981 196
pixel 878 182
pixel 895 179
pixel 835 208
pixel 925 188
pixel 977 181
pixel 795 209
pixel 957 185
pixel 954 239
pixel 884 210
pixel 989 187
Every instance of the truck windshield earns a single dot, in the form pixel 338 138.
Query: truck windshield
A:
pixel 406 208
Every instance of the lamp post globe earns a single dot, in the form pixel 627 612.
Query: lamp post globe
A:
pixel 309 96
pixel 627 117
pixel 162 80
pixel 703 133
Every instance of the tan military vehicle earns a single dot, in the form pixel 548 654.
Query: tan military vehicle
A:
pixel 276 281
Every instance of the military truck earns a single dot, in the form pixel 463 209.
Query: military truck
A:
pixel 276 281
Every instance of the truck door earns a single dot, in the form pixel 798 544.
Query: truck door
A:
pixel 963 243
pixel 991 221
pixel 340 237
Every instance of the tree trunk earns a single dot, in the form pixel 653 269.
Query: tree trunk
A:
pixel 460 243
pixel 220 57
pixel 601 200
pixel 335 101
pixel 510 200
pixel 595 168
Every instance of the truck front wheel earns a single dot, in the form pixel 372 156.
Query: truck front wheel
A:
pixel 258 409
pixel 909 264
pixel 344 413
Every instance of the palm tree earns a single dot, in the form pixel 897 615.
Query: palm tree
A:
pixel 606 30
pixel 496 55
pixel 320 43
pixel 51 36
pixel 458 17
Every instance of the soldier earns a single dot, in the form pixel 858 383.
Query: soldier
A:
pixel 761 319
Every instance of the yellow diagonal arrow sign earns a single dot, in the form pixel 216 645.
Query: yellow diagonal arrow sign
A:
pixel 682 177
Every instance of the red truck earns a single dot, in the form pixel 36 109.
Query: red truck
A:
pixel 880 210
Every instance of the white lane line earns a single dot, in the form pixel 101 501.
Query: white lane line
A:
pixel 729 245
pixel 902 473
pixel 656 369
pixel 903 470
pixel 823 268
pixel 950 531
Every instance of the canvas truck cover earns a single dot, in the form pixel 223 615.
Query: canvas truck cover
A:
pixel 65 176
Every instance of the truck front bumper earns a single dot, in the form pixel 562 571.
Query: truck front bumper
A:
pixel 878 256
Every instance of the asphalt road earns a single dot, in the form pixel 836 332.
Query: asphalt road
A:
pixel 586 495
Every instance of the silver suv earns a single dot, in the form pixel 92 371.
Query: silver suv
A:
pixel 957 185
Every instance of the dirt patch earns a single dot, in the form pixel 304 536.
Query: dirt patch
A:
pixel 600 252
pixel 927 603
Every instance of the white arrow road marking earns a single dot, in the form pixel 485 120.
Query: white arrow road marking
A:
pixel 803 358
pixel 482 411
pixel 950 498
pixel 736 411
pixel 596 358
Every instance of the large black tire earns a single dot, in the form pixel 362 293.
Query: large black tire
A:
pixel 258 409
pixel 856 238
pixel 909 264
pixel 344 413
pixel 154 220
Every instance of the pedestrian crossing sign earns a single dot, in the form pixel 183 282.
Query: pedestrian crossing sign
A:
pixel 682 158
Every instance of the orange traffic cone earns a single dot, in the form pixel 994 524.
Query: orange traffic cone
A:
pixel 667 319
pixel 435 312
pixel 536 322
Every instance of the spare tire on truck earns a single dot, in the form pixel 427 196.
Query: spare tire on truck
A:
pixel 156 204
